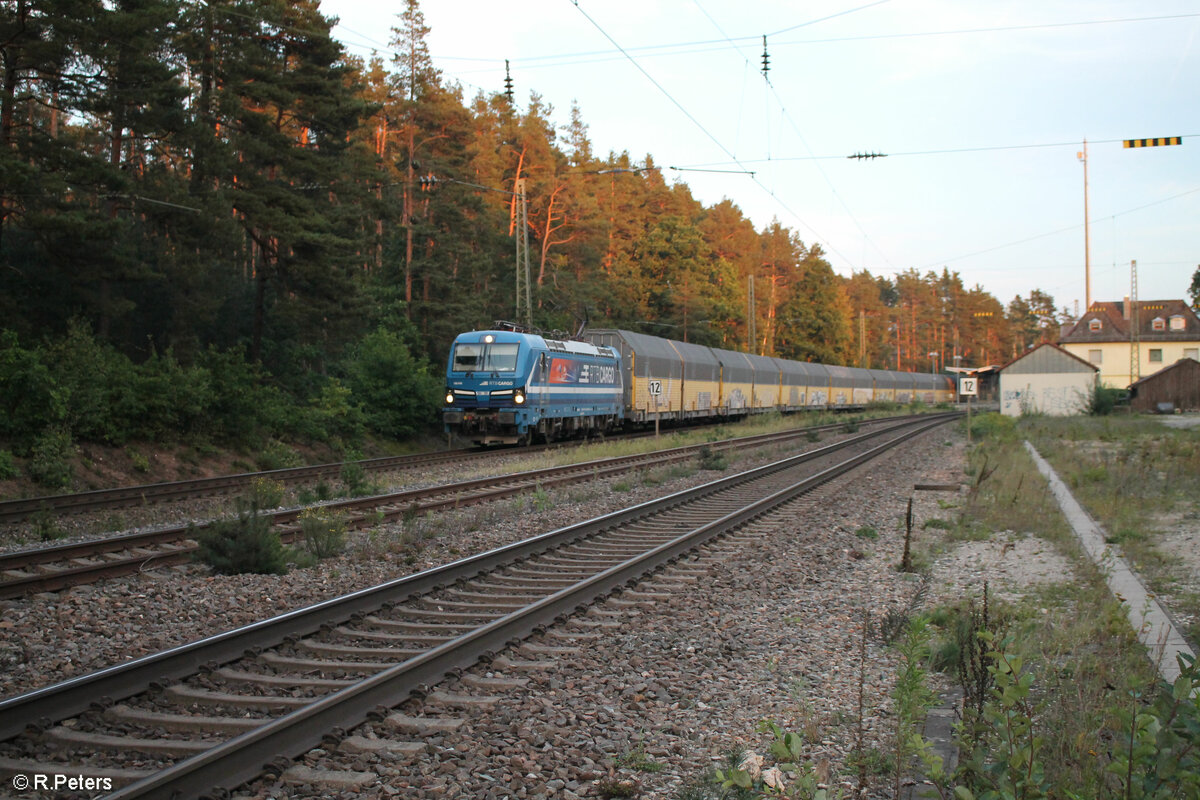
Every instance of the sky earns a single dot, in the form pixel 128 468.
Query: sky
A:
pixel 981 109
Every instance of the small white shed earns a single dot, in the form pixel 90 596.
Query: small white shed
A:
pixel 1046 380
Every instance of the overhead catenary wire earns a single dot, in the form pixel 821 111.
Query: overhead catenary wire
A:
pixel 945 261
pixel 555 60
pixel 710 135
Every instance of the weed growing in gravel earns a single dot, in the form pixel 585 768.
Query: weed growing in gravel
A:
pixel 46 527
pixel 618 787
pixel 867 532
pixel 354 477
pixel 540 500
pixel 316 494
pixel 713 460
pixel 783 771
pixel 911 695
pixel 322 532
pixel 636 759
pixel 266 493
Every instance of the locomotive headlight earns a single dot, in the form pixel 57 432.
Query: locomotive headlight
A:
pixel 518 396
pixel 449 398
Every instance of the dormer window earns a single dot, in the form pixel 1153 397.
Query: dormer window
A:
pixel 1095 325
pixel 1178 323
pixel 1159 324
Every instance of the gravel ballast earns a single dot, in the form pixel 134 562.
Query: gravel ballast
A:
pixel 772 631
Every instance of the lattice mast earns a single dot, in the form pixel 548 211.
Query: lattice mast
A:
pixel 1135 331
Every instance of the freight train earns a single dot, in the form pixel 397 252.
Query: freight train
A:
pixel 509 386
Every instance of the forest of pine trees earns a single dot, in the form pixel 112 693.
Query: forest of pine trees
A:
pixel 213 222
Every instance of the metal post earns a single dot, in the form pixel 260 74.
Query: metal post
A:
pixel 524 311
pixel 1087 242
pixel 1135 331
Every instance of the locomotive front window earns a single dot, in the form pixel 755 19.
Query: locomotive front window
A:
pixel 501 358
pixel 485 357
pixel 467 357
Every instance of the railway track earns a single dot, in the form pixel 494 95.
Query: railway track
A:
pixel 129 496
pixel 185 722
pixel 57 567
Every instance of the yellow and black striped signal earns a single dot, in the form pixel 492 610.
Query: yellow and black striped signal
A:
pixel 1159 142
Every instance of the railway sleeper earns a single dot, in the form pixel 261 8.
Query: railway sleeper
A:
pixel 294 681
pixel 69 737
pixel 523 665
pixel 394 653
pixel 327 779
pixel 535 649
pixel 181 723
pixel 380 636
pixel 416 627
pixel 322 665
pixel 361 744
pixel 206 697
pixel 423 726
pixel 494 683
pixel 492 603
pixel 443 615
pixel 462 701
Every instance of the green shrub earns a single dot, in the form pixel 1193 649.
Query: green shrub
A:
pixel 993 426
pixel 246 543
pixel 140 462
pixel 30 399
pixel 277 455
pixel 50 460
pixel 323 532
pixel 316 494
pixel 8 467
pixel 1103 399
pixel 354 477
pixel 711 459
pixel 333 413
pixel 395 391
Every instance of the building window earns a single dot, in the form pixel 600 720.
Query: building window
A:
pixel 1192 352
pixel 1096 356
pixel 1159 324
pixel 1178 323
pixel 1095 325
pixel 1156 355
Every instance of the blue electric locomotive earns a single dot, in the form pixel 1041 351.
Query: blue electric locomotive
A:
pixel 508 387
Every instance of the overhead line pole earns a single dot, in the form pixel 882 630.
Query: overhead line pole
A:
pixel 1087 241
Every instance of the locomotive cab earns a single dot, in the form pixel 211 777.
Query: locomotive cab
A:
pixel 486 387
